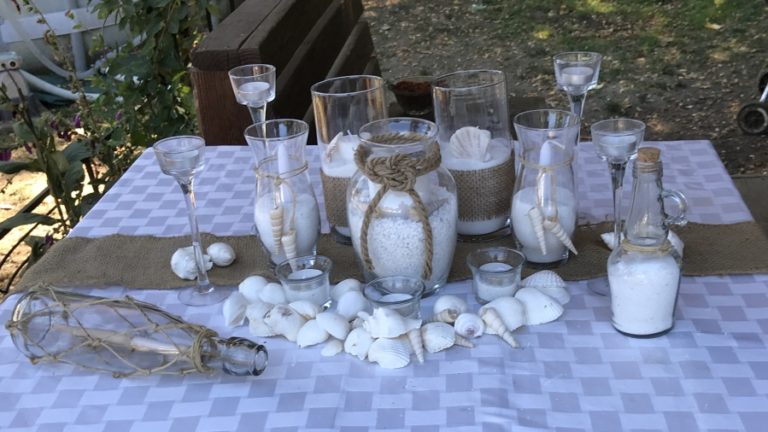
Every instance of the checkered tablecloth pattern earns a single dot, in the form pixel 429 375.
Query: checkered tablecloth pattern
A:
pixel 576 374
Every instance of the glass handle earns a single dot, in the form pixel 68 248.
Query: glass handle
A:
pixel 682 206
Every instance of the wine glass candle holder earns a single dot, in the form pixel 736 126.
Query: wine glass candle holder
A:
pixel 576 73
pixel 254 87
pixel 616 142
pixel 181 157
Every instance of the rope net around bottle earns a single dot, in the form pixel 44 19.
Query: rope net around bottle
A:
pixel 398 172
pixel 134 338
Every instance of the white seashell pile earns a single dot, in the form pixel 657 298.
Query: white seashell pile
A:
pixel 183 260
pixel 383 336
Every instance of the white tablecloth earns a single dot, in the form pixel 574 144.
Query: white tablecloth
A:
pixel 575 374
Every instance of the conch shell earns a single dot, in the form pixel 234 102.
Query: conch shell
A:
pixel 470 142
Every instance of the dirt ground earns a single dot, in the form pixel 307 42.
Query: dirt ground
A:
pixel 682 88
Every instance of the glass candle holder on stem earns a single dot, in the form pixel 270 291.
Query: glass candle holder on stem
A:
pixel 181 157
pixel 576 73
pixel 254 87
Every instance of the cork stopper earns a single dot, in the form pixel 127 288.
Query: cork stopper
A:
pixel 648 155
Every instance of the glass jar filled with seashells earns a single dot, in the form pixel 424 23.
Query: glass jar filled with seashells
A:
pixel 473 123
pixel 341 106
pixel 402 206
pixel 544 199
pixel 286 214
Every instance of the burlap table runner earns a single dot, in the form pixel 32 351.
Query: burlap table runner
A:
pixel 144 262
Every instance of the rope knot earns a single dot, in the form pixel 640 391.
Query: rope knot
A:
pixel 397 172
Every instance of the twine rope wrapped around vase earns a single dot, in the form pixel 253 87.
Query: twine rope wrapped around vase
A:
pixel 398 172
pixel 661 249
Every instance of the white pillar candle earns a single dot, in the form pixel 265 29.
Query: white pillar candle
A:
pixel 577 75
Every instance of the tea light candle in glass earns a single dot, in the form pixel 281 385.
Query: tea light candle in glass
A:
pixel 306 278
pixel 495 272
pixel 399 293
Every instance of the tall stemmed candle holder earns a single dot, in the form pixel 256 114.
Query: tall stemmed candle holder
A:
pixel 254 87
pixel 576 73
pixel 181 157
pixel 616 142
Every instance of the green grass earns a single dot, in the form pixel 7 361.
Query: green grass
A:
pixel 625 30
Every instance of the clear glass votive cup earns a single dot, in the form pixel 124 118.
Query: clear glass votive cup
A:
pixel 495 272
pixel 306 278
pixel 399 293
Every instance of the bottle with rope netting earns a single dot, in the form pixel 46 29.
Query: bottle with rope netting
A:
pixel 123 336
pixel 402 205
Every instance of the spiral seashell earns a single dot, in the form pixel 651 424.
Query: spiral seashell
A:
pixel 447 316
pixel 539 307
pixel 469 325
pixel 311 334
pixel 470 142
pixel 284 321
pixel 251 286
pixel 233 309
pixel 331 348
pixel 255 313
pixel 537 221
pixel 449 302
pixel 462 342
pixel 305 308
pixel 358 342
pixel 417 343
pixel 335 324
pixel 386 323
pixel 492 319
pixel 276 219
pixel 555 228
pixel 221 254
pixel 390 353
pixel 289 244
pixel 510 310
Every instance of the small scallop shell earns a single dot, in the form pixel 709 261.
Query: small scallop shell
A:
pixel 437 336
pixel 335 324
pixel 389 353
pixel 469 325
pixel 221 254
pixel 350 304
pixel 311 334
pixel 539 307
pixel 550 283
pixel 284 321
pixel 331 348
pixel 449 302
pixel 358 342
pixel 470 142
pixel 305 308
pixel 183 263
pixel 386 323
pixel 417 343
pixel 344 286
pixel 510 310
pixel 494 322
pixel 234 309
pixel 272 293
pixel 255 313
pixel 251 286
